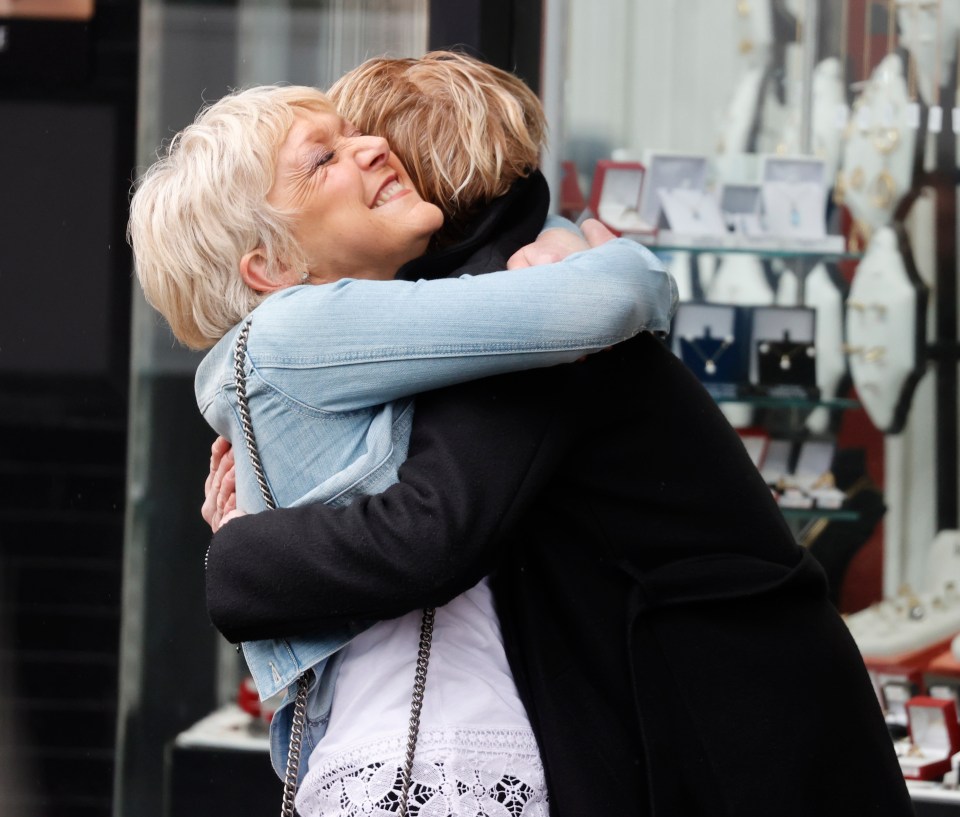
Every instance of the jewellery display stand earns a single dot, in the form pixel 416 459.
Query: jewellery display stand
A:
pixel 914 622
pixel 754 30
pixel 709 338
pixel 829 110
pixel 881 148
pixel 929 31
pixel 807 484
pixel 828 105
pixel 886 329
pixel 782 351
pixel 737 128
pixel 794 192
pixel 693 213
pixel 934 737
pixel 824 292
pixel 910 633
pixel 668 172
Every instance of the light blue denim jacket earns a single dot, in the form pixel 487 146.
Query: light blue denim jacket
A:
pixel 331 370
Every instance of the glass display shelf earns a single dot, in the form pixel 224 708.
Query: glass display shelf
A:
pixel 786 253
pixel 826 248
pixel 766 401
pixel 832 515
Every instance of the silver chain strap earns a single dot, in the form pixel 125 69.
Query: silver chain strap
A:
pixel 245 421
pixel 416 705
pixel 298 723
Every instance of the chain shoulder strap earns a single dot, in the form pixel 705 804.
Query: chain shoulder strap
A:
pixel 298 724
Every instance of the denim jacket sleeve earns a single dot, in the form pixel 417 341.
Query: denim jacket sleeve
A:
pixel 479 454
pixel 357 343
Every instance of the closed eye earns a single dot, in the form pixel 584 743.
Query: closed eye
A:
pixel 323 158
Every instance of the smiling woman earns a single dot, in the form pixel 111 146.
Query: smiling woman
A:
pixel 357 213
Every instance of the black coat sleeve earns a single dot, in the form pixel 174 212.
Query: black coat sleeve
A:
pixel 478 455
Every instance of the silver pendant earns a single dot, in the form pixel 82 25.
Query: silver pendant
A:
pixel 784 362
pixel 710 367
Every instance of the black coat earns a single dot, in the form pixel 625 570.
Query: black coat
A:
pixel 675 649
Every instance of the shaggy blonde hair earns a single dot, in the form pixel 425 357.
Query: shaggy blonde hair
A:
pixel 464 130
pixel 203 205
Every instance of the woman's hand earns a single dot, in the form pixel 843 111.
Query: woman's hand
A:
pixel 556 244
pixel 220 490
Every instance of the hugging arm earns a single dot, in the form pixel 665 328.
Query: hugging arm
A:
pixel 356 343
pixel 479 453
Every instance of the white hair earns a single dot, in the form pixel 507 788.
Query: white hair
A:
pixel 203 205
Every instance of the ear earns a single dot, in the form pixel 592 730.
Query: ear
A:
pixel 253 270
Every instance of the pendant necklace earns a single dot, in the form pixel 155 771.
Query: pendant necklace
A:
pixel 794 211
pixel 709 362
pixel 785 363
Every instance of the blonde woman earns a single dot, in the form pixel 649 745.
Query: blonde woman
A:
pixel 273 206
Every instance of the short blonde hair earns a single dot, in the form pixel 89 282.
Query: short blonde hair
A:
pixel 203 205
pixel 464 130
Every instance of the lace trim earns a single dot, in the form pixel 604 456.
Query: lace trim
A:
pixel 489 772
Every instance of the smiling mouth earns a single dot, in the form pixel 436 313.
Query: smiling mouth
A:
pixel 387 192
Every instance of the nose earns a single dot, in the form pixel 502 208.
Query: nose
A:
pixel 371 151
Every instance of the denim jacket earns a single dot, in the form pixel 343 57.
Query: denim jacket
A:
pixel 331 370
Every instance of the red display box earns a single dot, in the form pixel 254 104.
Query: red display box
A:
pixel 934 738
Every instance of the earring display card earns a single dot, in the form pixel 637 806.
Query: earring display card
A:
pixel 709 338
pixel 615 194
pixel 783 354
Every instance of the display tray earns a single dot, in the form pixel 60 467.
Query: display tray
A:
pixel 931 799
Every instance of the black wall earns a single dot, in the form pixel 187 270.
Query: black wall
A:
pixel 67 142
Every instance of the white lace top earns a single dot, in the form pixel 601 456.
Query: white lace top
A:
pixel 476 753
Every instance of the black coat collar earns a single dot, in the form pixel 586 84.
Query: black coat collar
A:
pixel 497 232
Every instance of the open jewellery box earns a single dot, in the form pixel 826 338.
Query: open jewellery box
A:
pixel 934 738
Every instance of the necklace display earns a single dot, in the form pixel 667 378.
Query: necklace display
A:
pixel 929 31
pixel 765 348
pixel 709 358
pixel 878 160
pixel 793 205
pixel 881 139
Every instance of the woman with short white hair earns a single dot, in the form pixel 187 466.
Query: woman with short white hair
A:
pixel 272 212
